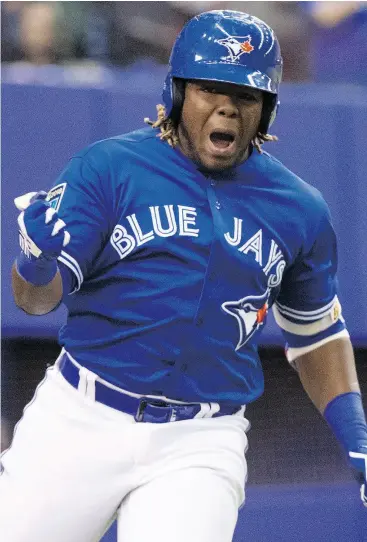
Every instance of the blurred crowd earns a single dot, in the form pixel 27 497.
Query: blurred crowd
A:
pixel 122 33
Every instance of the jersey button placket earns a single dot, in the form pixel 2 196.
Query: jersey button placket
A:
pixel 199 321
pixel 218 205
pixel 211 275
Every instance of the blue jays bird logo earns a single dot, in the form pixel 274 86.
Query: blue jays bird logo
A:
pixel 250 313
pixel 237 46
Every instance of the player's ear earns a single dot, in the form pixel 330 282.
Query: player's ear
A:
pixel 178 95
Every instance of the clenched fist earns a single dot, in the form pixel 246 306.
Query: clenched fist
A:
pixel 41 232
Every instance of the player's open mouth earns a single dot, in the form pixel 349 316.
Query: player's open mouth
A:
pixel 222 142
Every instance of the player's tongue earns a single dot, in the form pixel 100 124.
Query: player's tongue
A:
pixel 221 139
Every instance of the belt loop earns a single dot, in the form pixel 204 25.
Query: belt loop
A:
pixel 91 386
pixel 204 410
pixel 82 385
pixel 87 383
pixel 214 408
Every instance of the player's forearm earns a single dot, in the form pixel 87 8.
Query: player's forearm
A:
pixel 329 376
pixel 33 299
pixel 328 371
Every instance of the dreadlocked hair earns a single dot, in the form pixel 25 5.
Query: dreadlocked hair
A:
pixel 260 139
pixel 166 126
pixel 168 130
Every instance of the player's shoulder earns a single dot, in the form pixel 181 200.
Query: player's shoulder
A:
pixel 120 146
pixel 294 187
pixel 112 159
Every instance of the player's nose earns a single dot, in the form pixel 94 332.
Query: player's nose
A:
pixel 227 106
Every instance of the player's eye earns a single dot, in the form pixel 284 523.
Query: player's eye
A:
pixel 209 90
pixel 247 97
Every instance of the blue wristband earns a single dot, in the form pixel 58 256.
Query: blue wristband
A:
pixel 38 271
pixel 345 416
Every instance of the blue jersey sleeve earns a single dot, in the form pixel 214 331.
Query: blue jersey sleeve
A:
pixel 79 199
pixel 307 308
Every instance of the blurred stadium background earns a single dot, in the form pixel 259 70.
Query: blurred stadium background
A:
pixel 75 72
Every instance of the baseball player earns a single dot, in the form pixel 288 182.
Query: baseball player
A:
pixel 169 245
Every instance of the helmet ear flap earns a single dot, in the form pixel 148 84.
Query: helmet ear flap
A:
pixel 274 112
pixel 269 112
pixel 178 96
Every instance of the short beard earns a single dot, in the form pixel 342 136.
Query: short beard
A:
pixel 185 142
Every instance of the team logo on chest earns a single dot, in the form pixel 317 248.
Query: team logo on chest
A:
pixel 250 313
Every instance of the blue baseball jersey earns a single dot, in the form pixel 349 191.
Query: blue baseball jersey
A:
pixel 170 272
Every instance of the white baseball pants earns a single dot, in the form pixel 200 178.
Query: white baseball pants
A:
pixel 75 465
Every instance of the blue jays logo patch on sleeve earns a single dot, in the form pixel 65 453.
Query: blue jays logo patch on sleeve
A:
pixel 250 313
pixel 55 196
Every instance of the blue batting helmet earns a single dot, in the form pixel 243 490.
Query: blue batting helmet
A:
pixel 231 47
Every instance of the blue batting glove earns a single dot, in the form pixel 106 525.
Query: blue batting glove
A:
pixel 358 461
pixel 42 233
